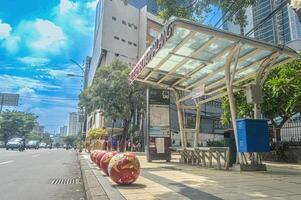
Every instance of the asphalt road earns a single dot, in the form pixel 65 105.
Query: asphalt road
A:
pixel 29 175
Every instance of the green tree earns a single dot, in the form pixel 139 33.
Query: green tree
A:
pixel 97 133
pixel 70 140
pixel 197 10
pixel 191 9
pixel 282 97
pixel 47 139
pixel 33 136
pixel 235 11
pixel 112 93
pixel 16 124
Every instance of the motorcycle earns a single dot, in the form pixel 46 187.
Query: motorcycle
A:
pixel 21 148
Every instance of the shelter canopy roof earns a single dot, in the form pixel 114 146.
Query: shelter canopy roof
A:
pixel 192 57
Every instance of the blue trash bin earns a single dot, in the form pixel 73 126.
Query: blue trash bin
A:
pixel 253 135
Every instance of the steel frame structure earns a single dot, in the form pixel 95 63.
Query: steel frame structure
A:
pixel 242 55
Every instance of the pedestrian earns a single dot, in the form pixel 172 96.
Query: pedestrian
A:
pixel 129 145
pixel 138 146
pixel 114 143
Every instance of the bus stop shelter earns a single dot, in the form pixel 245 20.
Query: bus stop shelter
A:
pixel 203 64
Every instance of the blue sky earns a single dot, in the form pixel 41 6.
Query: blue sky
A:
pixel 37 40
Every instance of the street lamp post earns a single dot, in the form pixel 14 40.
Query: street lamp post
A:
pixel 82 112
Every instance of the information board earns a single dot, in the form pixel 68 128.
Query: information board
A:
pixel 158 128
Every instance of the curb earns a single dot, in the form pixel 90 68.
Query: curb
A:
pixel 96 184
pixel 92 187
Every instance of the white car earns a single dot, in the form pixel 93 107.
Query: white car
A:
pixel 42 145
pixel 14 143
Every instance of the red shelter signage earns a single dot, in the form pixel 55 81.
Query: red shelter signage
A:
pixel 151 52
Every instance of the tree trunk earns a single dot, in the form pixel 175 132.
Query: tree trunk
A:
pixel 278 127
pixel 278 135
pixel 242 31
pixel 126 126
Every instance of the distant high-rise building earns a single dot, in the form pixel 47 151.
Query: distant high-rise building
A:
pixel 73 124
pixel 63 131
pixel 281 28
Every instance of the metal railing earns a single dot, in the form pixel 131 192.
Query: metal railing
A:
pixel 213 157
pixel 291 132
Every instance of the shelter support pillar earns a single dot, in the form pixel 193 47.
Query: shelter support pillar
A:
pixel 261 75
pixel 197 124
pixel 229 80
pixel 180 118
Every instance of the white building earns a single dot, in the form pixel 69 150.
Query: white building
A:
pixel 63 130
pixel 122 32
pixel 38 129
pixel 73 124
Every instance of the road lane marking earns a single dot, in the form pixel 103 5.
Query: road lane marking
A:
pixel 6 162
pixel 34 156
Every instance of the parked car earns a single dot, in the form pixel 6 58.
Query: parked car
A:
pixel 32 144
pixel 14 143
pixel 2 144
pixel 49 146
pixel 42 145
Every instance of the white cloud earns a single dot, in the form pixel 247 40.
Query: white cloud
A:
pixel 26 91
pixel 66 5
pixel 9 41
pixel 42 37
pixel 34 61
pixel 75 16
pixel 92 5
pixel 50 37
pixel 5 30
pixel 15 83
pixel 66 69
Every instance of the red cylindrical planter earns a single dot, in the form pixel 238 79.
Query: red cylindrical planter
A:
pixel 124 168
pixel 104 162
pixel 99 157
pixel 92 155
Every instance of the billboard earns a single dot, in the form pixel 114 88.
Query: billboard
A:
pixel 7 99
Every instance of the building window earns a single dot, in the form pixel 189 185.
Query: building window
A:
pixel 123 40
pixel 135 44
pixel 130 25
pixel 116 38
pixel 135 27
pixel 130 43
pixel 123 22
pixel 114 18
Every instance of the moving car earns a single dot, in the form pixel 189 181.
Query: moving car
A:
pixel 42 145
pixel 14 143
pixel 32 144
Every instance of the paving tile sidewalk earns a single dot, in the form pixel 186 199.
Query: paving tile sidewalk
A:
pixel 161 180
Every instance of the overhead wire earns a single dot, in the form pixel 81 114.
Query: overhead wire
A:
pixel 229 8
